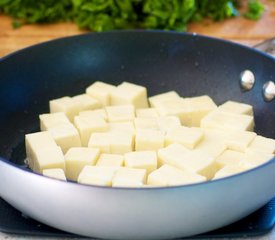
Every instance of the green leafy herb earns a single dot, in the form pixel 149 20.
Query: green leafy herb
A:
pixel 255 10
pixel 102 15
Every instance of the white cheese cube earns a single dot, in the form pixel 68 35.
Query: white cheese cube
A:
pixel 66 136
pixel 88 125
pixel 123 126
pixel 228 121
pixel 212 148
pixel 196 161
pixel 146 113
pixel 115 142
pixel 229 170
pixel 36 141
pixel 121 142
pixel 77 158
pixel 56 173
pixel 87 102
pixel 149 139
pixel 142 159
pixel 170 155
pixel 239 140
pixel 172 107
pixel 101 141
pixel 122 113
pixel 111 160
pixel 263 144
pixel 67 105
pixel 213 142
pixel 47 158
pixel 146 123
pixel 189 110
pixel 129 177
pixel 154 100
pixel 188 137
pixel 165 123
pixel 168 175
pixel 200 107
pixel 129 93
pixel 101 91
pixel 50 120
pixel 236 107
pixel 229 157
pixel 199 162
pixel 94 113
pixel 97 175
pixel 254 158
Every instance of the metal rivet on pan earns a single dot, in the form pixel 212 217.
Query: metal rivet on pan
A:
pixel 269 91
pixel 247 80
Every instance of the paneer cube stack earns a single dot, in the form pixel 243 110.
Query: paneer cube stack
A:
pixel 115 136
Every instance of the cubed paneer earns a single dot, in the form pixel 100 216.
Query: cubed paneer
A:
pixel 94 113
pixel 56 173
pixel 123 126
pixel 263 144
pixel 165 123
pixel 101 91
pixel 121 142
pixel 255 158
pixel 188 137
pixel 228 121
pixel 171 154
pixel 36 141
pixel 77 158
pixel 213 142
pixel 122 113
pixel 149 139
pixel 87 125
pixel 97 175
pixel 87 102
pixel 146 123
pixel 236 107
pixel 199 107
pixel 142 159
pixel 168 175
pixel 47 158
pixel 146 113
pixel 154 100
pixel 189 110
pixel 199 162
pixel 67 105
pixel 115 142
pixel 129 93
pixel 239 140
pixel 196 161
pixel 175 107
pixel 229 170
pixel 229 157
pixel 129 177
pixel 50 120
pixel 66 136
pixel 111 160
pixel 101 141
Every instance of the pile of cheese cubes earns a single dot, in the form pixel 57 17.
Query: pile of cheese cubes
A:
pixel 116 136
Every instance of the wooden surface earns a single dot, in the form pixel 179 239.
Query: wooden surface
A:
pixel 236 29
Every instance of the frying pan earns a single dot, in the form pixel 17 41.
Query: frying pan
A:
pixel 162 61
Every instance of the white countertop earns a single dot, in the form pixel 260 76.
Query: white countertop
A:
pixel 4 236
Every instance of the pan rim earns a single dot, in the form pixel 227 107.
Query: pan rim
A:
pixel 234 176
pixel 190 34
